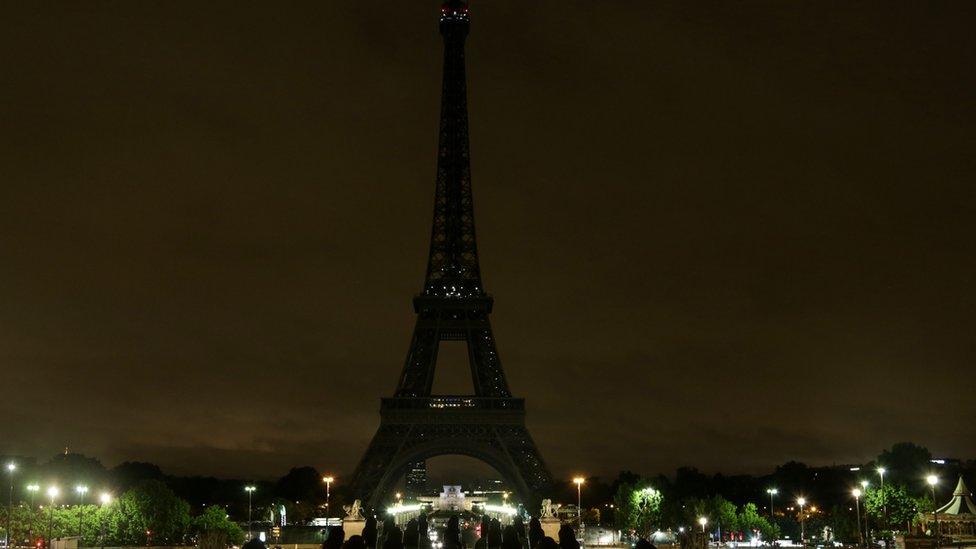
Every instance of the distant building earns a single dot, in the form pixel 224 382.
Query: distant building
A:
pixel 452 500
pixel 417 479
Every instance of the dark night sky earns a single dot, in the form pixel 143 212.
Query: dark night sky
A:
pixel 726 235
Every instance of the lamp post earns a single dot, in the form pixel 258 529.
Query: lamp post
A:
pixel 52 493
pixel 932 480
pixel 803 521
pixel 250 490
pixel 703 521
pixel 578 481
pixel 105 498
pixel 31 489
pixel 328 480
pixel 887 524
pixel 857 509
pixel 867 535
pixel 82 490
pixel 772 492
pixel 11 467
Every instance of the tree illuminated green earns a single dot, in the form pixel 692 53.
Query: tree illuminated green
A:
pixel 638 507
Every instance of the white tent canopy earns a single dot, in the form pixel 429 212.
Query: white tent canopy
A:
pixel 961 503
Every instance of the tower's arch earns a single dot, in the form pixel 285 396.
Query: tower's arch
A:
pixel 494 458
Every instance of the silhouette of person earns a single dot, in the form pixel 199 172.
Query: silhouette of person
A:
pixel 369 532
pixel 354 542
pixel 452 534
pixel 393 536
pixel 254 543
pixel 519 530
pixel 548 543
pixel 511 539
pixel 494 534
pixel 567 538
pixel 482 542
pixel 535 533
pixel 410 534
pixel 423 533
pixel 643 544
pixel 334 538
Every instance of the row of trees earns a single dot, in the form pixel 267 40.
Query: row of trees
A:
pixel 149 513
pixel 641 508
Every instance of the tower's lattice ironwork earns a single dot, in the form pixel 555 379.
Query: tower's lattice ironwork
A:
pixel 453 306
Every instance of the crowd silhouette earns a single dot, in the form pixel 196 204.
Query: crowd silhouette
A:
pixel 414 535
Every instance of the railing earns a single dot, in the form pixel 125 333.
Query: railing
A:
pixel 453 403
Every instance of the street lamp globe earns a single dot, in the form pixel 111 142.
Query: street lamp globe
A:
pixel 856 492
pixel 864 484
pixel 105 498
pixel 801 501
pixel 53 492
pixel 11 467
pixel 81 489
pixel 932 480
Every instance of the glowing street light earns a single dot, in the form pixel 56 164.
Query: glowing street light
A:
pixel 801 501
pixel 11 467
pixel 250 490
pixel 703 521
pixel 32 489
pixel 857 509
pixel 104 498
pixel 328 480
pixel 82 490
pixel 52 492
pixel 772 492
pixel 932 480
pixel 881 473
pixel 578 481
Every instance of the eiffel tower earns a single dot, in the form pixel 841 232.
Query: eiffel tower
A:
pixel 453 306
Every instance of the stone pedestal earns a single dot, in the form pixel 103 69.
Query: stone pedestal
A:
pixel 550 527
pixel 353 527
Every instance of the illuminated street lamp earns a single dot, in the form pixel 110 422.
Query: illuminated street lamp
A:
pixel 11 467
pixel 881 473
pixel 328 480
pixel 250 490
pixel 857 509
pixel 801 501
pixel 772 492
pixel 82 490
pixel 32 489
pixel 52 492
pixel 578 481
pixel 703 521
pixel 932 480
pixel 104 498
